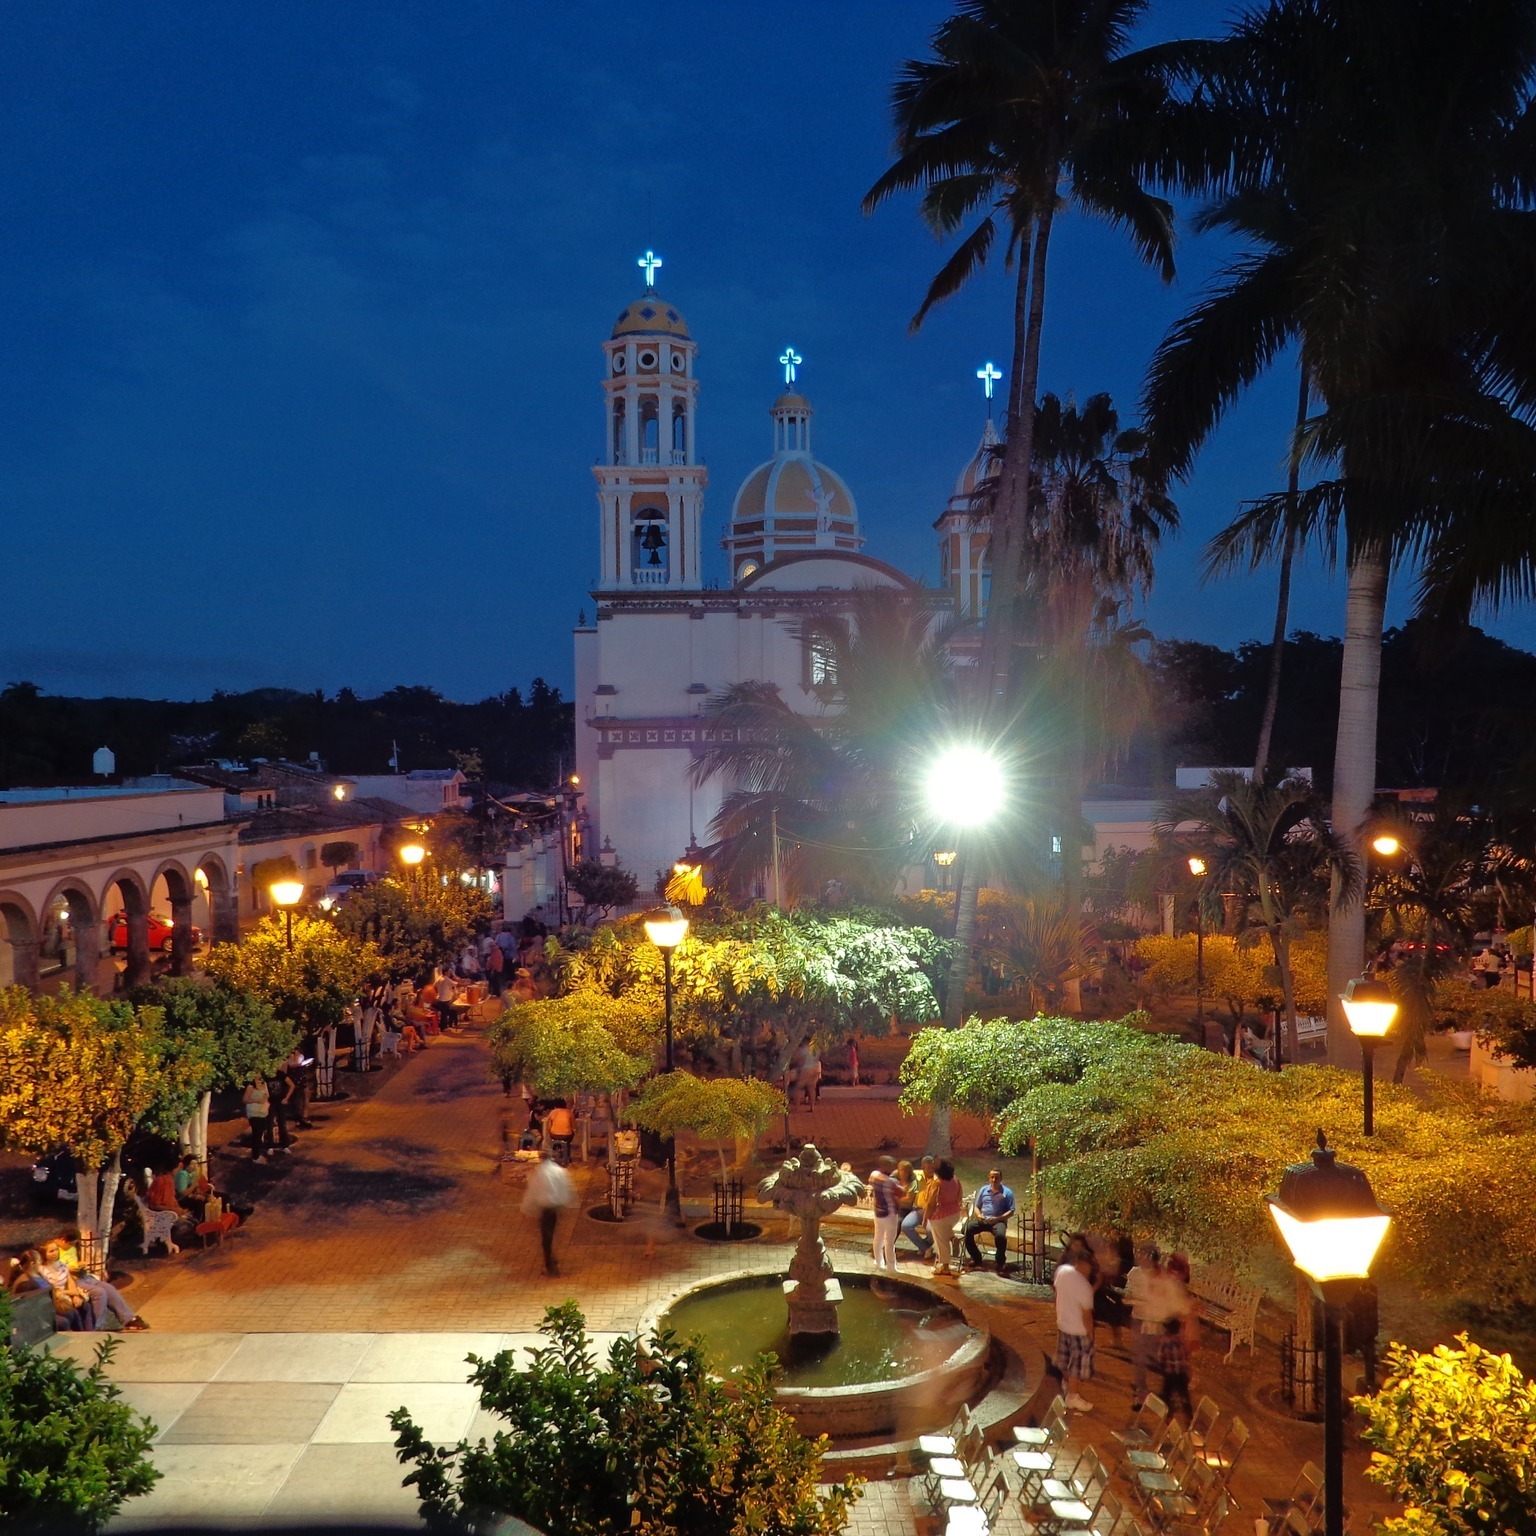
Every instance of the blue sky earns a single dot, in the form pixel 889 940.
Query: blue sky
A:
pixel 303 305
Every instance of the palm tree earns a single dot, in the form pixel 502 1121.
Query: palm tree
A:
pixel 1378 167
pixel 1024 108
pixel 1269 845
pixel 833 796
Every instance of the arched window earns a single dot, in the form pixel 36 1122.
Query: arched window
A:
pixel 650 444
pixel 618 432
pixel 650 558
pixel 679 433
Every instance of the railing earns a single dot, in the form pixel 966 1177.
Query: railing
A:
pixel 621 1187
pixel 1039 1248
pixel 1301 1376
pixel 679 456
pixel 644 576
pixel 728 1203
pixel 650 456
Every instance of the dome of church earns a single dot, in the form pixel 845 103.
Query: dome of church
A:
pixel 793 488
pixel 650 316
pixel 981 465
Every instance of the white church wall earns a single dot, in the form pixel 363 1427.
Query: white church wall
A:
pixel 642 791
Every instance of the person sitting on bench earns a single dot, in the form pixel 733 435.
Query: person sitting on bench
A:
pixel 991 1211
pixel 561 1128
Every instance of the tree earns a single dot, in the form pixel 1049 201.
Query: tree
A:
pixel 582 1043
pixel 80 1072
pixel 1266 843
pixel 415 922
pixel 72 1453
pixel 601 887
pixel 309 985
pixel 833 797
pixel 652 1442
pixel 1383 194
pixel 338 855
pixel 1453 1438
pixel 717 1109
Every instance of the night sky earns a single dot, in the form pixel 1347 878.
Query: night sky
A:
pixel 302 305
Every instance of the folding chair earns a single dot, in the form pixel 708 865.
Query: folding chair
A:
pixel 1146 1428
pixel 979 1518
pixel 1076 1513
pixel 1155 1458
pixel 1224 1459
pixel 952 1492
pixel 1305 1499
pixel 1172 1477
pixel 946 1443
pixel 1048 1432
pixel 970 1454
pixel 1198 1508
pixel 1203 1422
pixel 1036 1460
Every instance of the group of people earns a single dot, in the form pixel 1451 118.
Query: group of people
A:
pixel 507 960
pixel 927 1203
pixel 1155 1303
pixel 273 1104
pixel 82 1302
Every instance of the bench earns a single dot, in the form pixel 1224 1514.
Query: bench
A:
pixel 1224 1303
pixel 1311 1029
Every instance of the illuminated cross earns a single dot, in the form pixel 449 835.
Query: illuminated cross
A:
pixel 790 360
pixel 988 376
pixel 650 261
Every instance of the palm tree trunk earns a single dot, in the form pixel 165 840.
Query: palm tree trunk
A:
pixel 1282 596
pixel 940 1142
pixel 1354 778
pixel 1282 948
pixel 1011 506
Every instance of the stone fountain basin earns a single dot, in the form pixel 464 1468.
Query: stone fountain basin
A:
pixel 901 1406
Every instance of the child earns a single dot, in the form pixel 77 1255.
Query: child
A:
pixel 1173 1364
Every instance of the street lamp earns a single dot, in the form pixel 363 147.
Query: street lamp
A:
pixel 1197 869
pixel 666 928
pixel 287 894
pixel 1371 1010
pixel 944 858
pixel 1386 845
pixel 965 786
pixel 1328 1215
pixel 411 854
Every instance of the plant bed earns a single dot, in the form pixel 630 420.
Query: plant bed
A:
pixel 740 1232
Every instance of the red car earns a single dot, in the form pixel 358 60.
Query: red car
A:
pixel 160 933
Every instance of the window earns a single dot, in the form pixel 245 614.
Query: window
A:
pixel 820 660
pixel 648 554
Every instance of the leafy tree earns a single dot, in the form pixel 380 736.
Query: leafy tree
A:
pixel 80 1072
pixel 717 1109
pixel 601 887
pixel 1505 1023
pixel 338 855
pixel 72 1453
pixel 1409 311
pixel 1453 1438
pixel 415 922
pixel 309 985
pixel 650 1443
pixel 267 872
pixel 581 1043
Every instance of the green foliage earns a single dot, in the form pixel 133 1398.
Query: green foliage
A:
pixel 1453 1438
pixel 602 886
pixel 649 1443
pixel 583 1043
pixel 717 1109
pixel 1165 1139
pixel 1506 1023
pixel 335 855
pixel 416 921
pixel 265 872
pixel 244 1036
pixel 71 1452
pixel 309 986
pixel 1241 972
pixel 80 1072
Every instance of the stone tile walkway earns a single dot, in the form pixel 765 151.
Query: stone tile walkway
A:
pixel 393 1244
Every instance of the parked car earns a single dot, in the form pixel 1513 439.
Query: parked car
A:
pixel 160 932
pixel 348 882
pixel 53 1178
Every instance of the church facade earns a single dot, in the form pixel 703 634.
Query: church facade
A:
pixel 662 641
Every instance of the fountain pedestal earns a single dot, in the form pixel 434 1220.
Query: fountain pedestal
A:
pixel 810 1186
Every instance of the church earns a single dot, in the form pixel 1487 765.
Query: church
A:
pixel 665 636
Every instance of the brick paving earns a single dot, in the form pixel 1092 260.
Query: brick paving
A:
pixel 399 1214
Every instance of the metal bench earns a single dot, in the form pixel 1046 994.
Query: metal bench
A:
pixel 1311 1029
pixel 1224 1303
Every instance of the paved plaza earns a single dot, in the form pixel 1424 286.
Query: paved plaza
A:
pixel 391 1245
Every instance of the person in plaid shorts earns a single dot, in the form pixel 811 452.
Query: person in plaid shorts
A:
pixel 1173 1364
pixel 1074 1328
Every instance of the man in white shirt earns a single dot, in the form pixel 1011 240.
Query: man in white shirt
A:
pixel 1154 1295
pixel 550 1190
pixel 1074 1328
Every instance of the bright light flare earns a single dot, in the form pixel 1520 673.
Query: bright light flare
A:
pixel 965 786
pixel 1386 845
pixel 1332 1247
pixel 287 893
pixel 412 854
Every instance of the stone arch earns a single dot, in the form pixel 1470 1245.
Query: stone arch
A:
pixel 18 941
pixel 223 918
pixel 80 945
pixel 134 895
pixel 180 889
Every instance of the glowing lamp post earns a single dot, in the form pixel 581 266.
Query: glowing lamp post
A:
pixel 945 858
pixel 1371 1010
pixel 411 854
pixel 1329 1218
pixel 666 928
pixel 1197 870
pixel 1386 845
pixel 287 894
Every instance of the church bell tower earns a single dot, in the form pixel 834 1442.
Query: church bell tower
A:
pixel 650 483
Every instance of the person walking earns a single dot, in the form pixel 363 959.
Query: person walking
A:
pixel 886 1192
pixel 944 1208
pixel 1154 1296
pixel 495 969
pixel 550 1190
pixel 447 993
pixel 280 1091
pixel 1074 1328
pixel 257 1102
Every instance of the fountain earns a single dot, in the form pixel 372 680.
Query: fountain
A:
pixel 861 1355
pixel 810 1187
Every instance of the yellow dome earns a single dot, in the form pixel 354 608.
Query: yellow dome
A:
pixel 982 465
pixel 791 400
pixel 650 316
pixel 794 487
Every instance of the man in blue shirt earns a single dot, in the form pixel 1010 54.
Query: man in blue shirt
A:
pixel 990 1212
